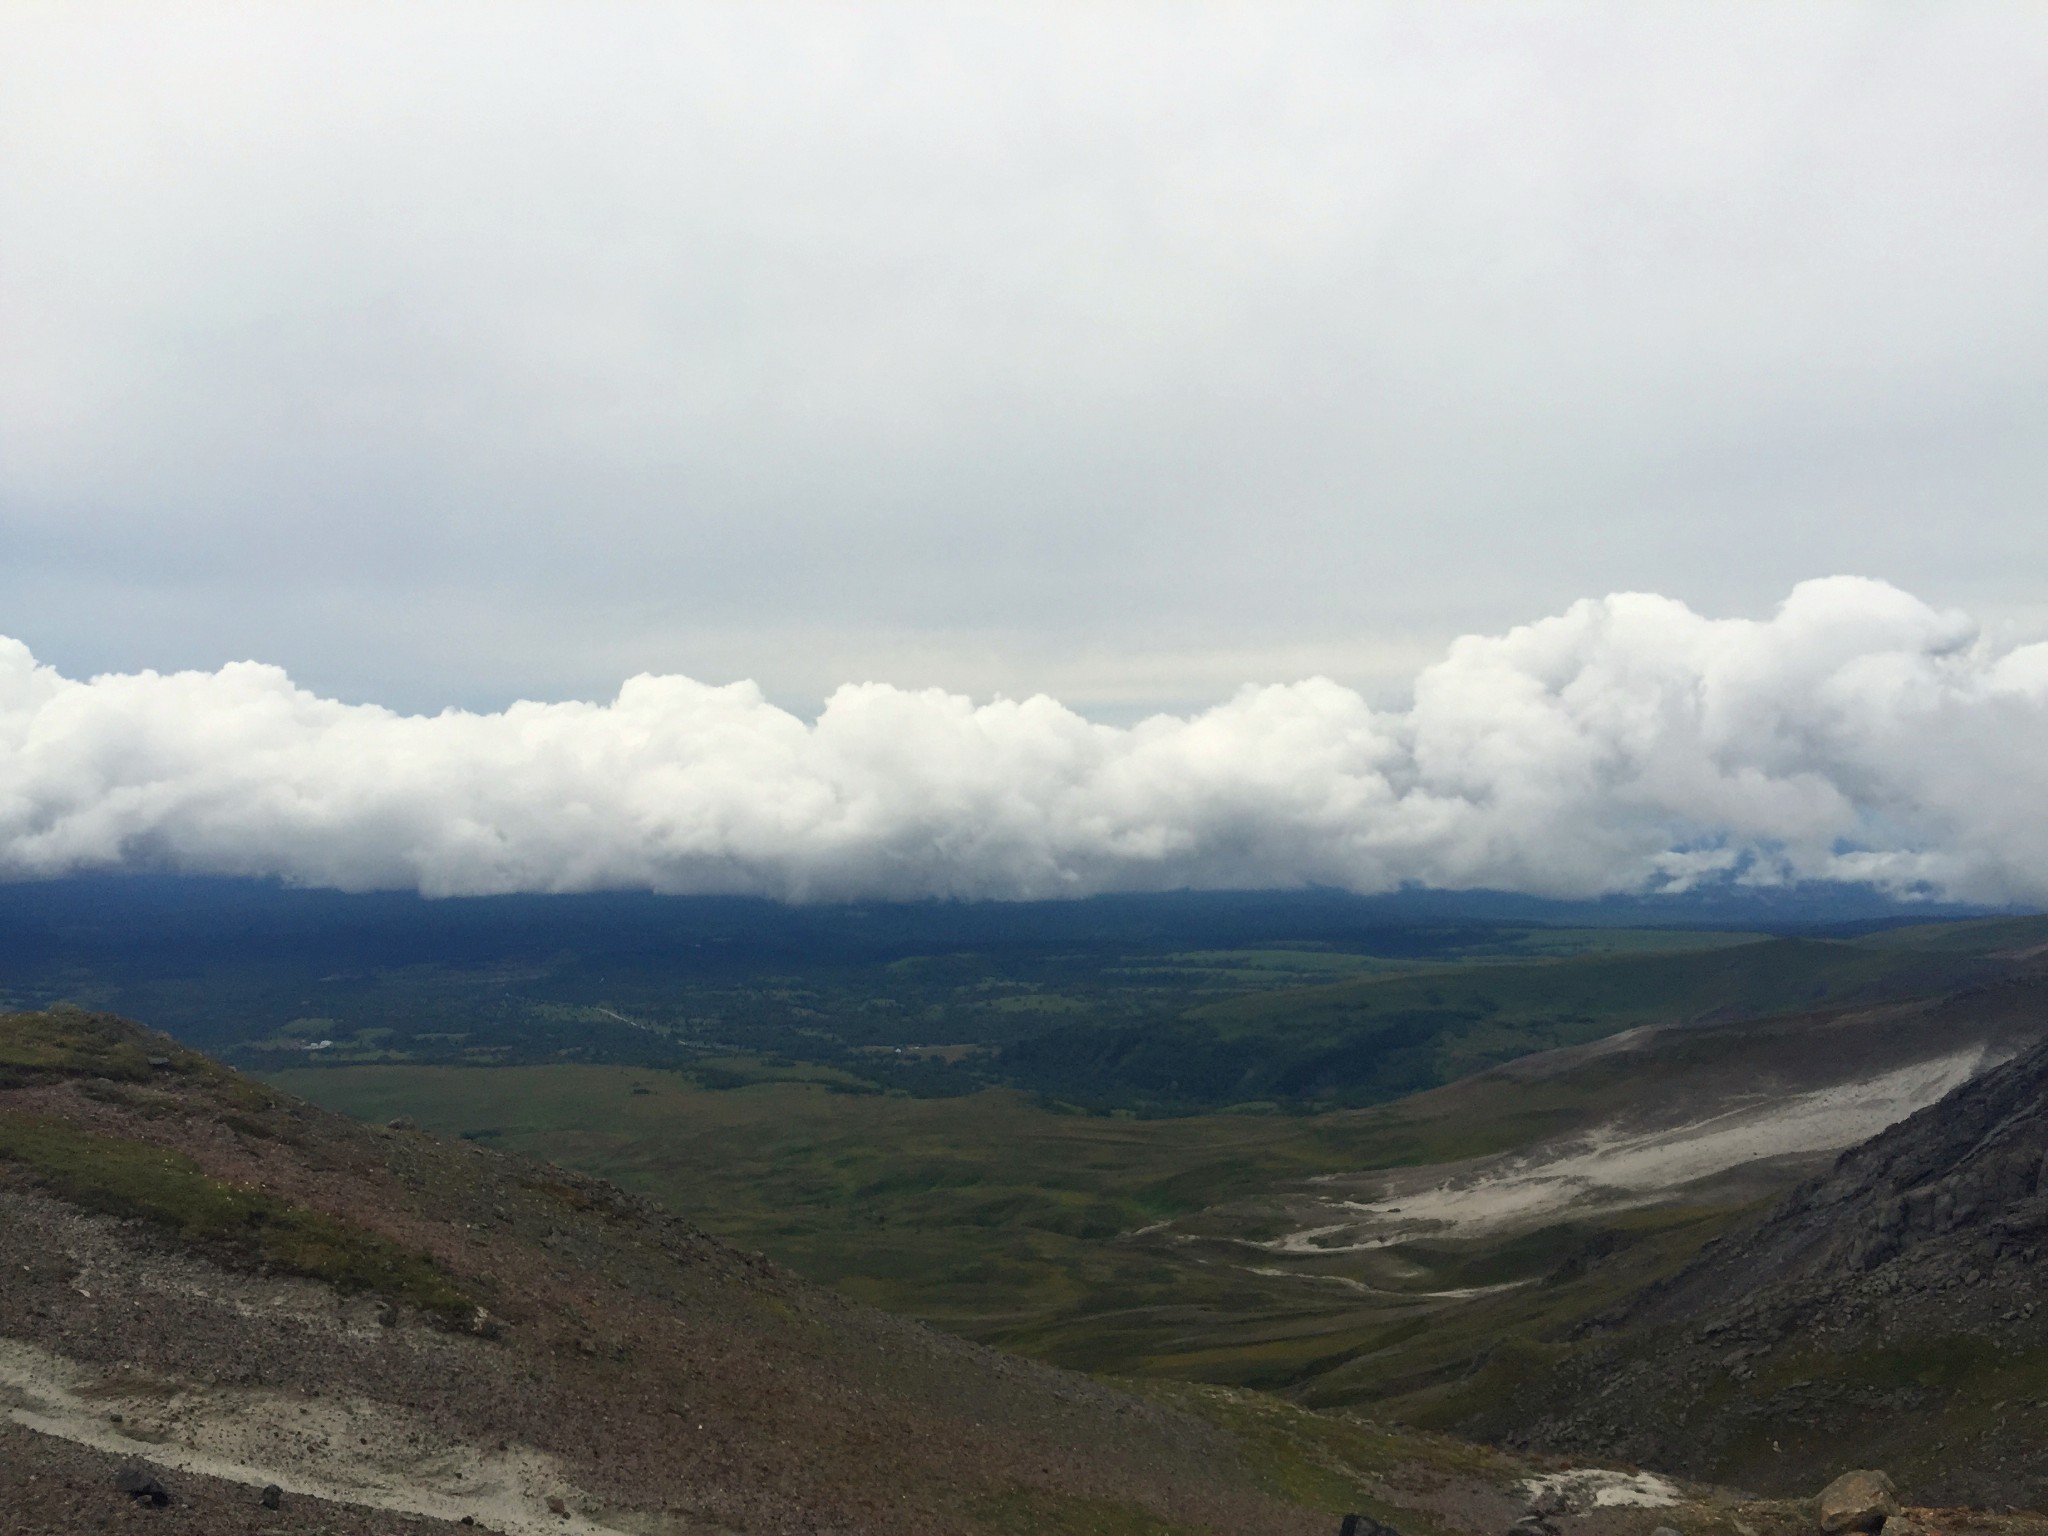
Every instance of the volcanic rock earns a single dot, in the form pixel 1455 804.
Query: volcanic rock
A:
pixel 140 1484
pixel 1857 1501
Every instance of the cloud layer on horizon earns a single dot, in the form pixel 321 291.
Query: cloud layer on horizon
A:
pixel 1628 743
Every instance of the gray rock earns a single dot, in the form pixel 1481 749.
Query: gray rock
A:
pixel 273 1496
pixel 136 1480
pixel 1857 1501
pixel 1547 1502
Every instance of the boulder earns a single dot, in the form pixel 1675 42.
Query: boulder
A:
pixel 1547 1502
pixel 136 1480
pixel 1857 1501
pixel 273 1496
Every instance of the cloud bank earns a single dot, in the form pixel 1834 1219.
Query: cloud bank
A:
pixel 1626 744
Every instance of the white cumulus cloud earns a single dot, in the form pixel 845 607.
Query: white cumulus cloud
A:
pixel 1628 743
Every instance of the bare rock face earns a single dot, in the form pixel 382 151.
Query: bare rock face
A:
pixel 1857 1501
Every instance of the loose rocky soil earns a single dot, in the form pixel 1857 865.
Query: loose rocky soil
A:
pixel 51 1487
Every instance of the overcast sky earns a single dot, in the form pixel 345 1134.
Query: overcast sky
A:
pixel 452 355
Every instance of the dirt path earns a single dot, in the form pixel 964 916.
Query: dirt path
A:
pixel 344 1450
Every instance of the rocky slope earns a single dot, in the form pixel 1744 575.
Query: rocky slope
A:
pixel 1671 1115
pixel 224 1289
pixel 398 1330
pixel 1893 1305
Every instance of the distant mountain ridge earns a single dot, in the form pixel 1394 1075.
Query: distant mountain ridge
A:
pixel 86 912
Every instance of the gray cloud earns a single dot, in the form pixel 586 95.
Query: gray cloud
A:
pixel 1626 744
pixel 459 353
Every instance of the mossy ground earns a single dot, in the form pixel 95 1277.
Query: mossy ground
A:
pixel 146 1182
pixel 71 1042
pixel 1032 1512
pixel 112 1061
pixel 67 1042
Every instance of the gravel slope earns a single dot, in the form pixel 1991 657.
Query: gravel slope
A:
pixel 646 1376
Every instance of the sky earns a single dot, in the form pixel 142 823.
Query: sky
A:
pixel 1102 361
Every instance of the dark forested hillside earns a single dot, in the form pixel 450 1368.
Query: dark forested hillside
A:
pixel 1158 1003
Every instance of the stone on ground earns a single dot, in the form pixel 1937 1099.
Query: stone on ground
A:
pixel 1857 1501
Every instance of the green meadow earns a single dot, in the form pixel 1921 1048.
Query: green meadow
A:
pixel 1029 1217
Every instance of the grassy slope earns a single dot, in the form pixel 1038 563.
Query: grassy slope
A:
pixel 240 1227
pixel 1975 936
pixel 994 1217
pixel 972 1214
pixel 1374 1038
pixel 1519 1008
pixel 1299 1467
pixel 1007 1221
pixel 121 1176
pixel 978 1213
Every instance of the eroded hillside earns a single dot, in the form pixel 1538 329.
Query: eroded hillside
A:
pixel 1893 1303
